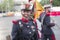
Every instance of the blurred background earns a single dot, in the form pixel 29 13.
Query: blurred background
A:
pixel 11 10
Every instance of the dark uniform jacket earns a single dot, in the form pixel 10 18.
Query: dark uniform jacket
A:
pixel 24 30
pixel 46 25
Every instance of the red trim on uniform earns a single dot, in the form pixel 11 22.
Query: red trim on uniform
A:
pixel 53 37
pixel 48 14
pixel 15 22
pixel 24 19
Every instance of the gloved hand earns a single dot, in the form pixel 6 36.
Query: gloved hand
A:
pixel 51 24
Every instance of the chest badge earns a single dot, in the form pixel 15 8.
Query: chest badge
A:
pixel 21 25
pixel 28 26
pixel 32 27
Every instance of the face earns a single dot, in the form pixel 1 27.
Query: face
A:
pixel 26 14
pixel 47 10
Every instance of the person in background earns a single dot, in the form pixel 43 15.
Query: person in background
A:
pixel 46 25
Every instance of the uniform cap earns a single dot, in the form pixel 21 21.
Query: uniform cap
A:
pixel 26 9
pixel 47 6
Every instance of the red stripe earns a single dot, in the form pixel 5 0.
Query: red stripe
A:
pixel 54 13
pixel 53 37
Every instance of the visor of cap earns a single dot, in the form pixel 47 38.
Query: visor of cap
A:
pixel 47 6
pixel 26 10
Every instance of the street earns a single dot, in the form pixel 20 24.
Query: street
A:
pixel 6 27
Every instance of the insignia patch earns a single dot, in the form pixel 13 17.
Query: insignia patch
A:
pixel 29 32
pixel 21 25
pixel 33 30
pixel 34 22
pixel 32 27
pixel 19 22
pixel 27 26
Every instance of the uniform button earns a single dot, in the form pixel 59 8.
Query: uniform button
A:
pixel 29 32
pixel 27 26
pixel 32 27
pixel 21 25
pixel 19 22
pixel 33 30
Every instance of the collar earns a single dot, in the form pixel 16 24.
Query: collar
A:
pixel 24 19
pixel 48 14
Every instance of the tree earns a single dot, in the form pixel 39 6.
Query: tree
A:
pixel 43 2
pixel 56 3
pixel 10 4
pixel 6 5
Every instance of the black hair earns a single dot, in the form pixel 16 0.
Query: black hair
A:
pixel 25 10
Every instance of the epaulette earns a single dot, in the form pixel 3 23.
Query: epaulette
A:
pixel 15 21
